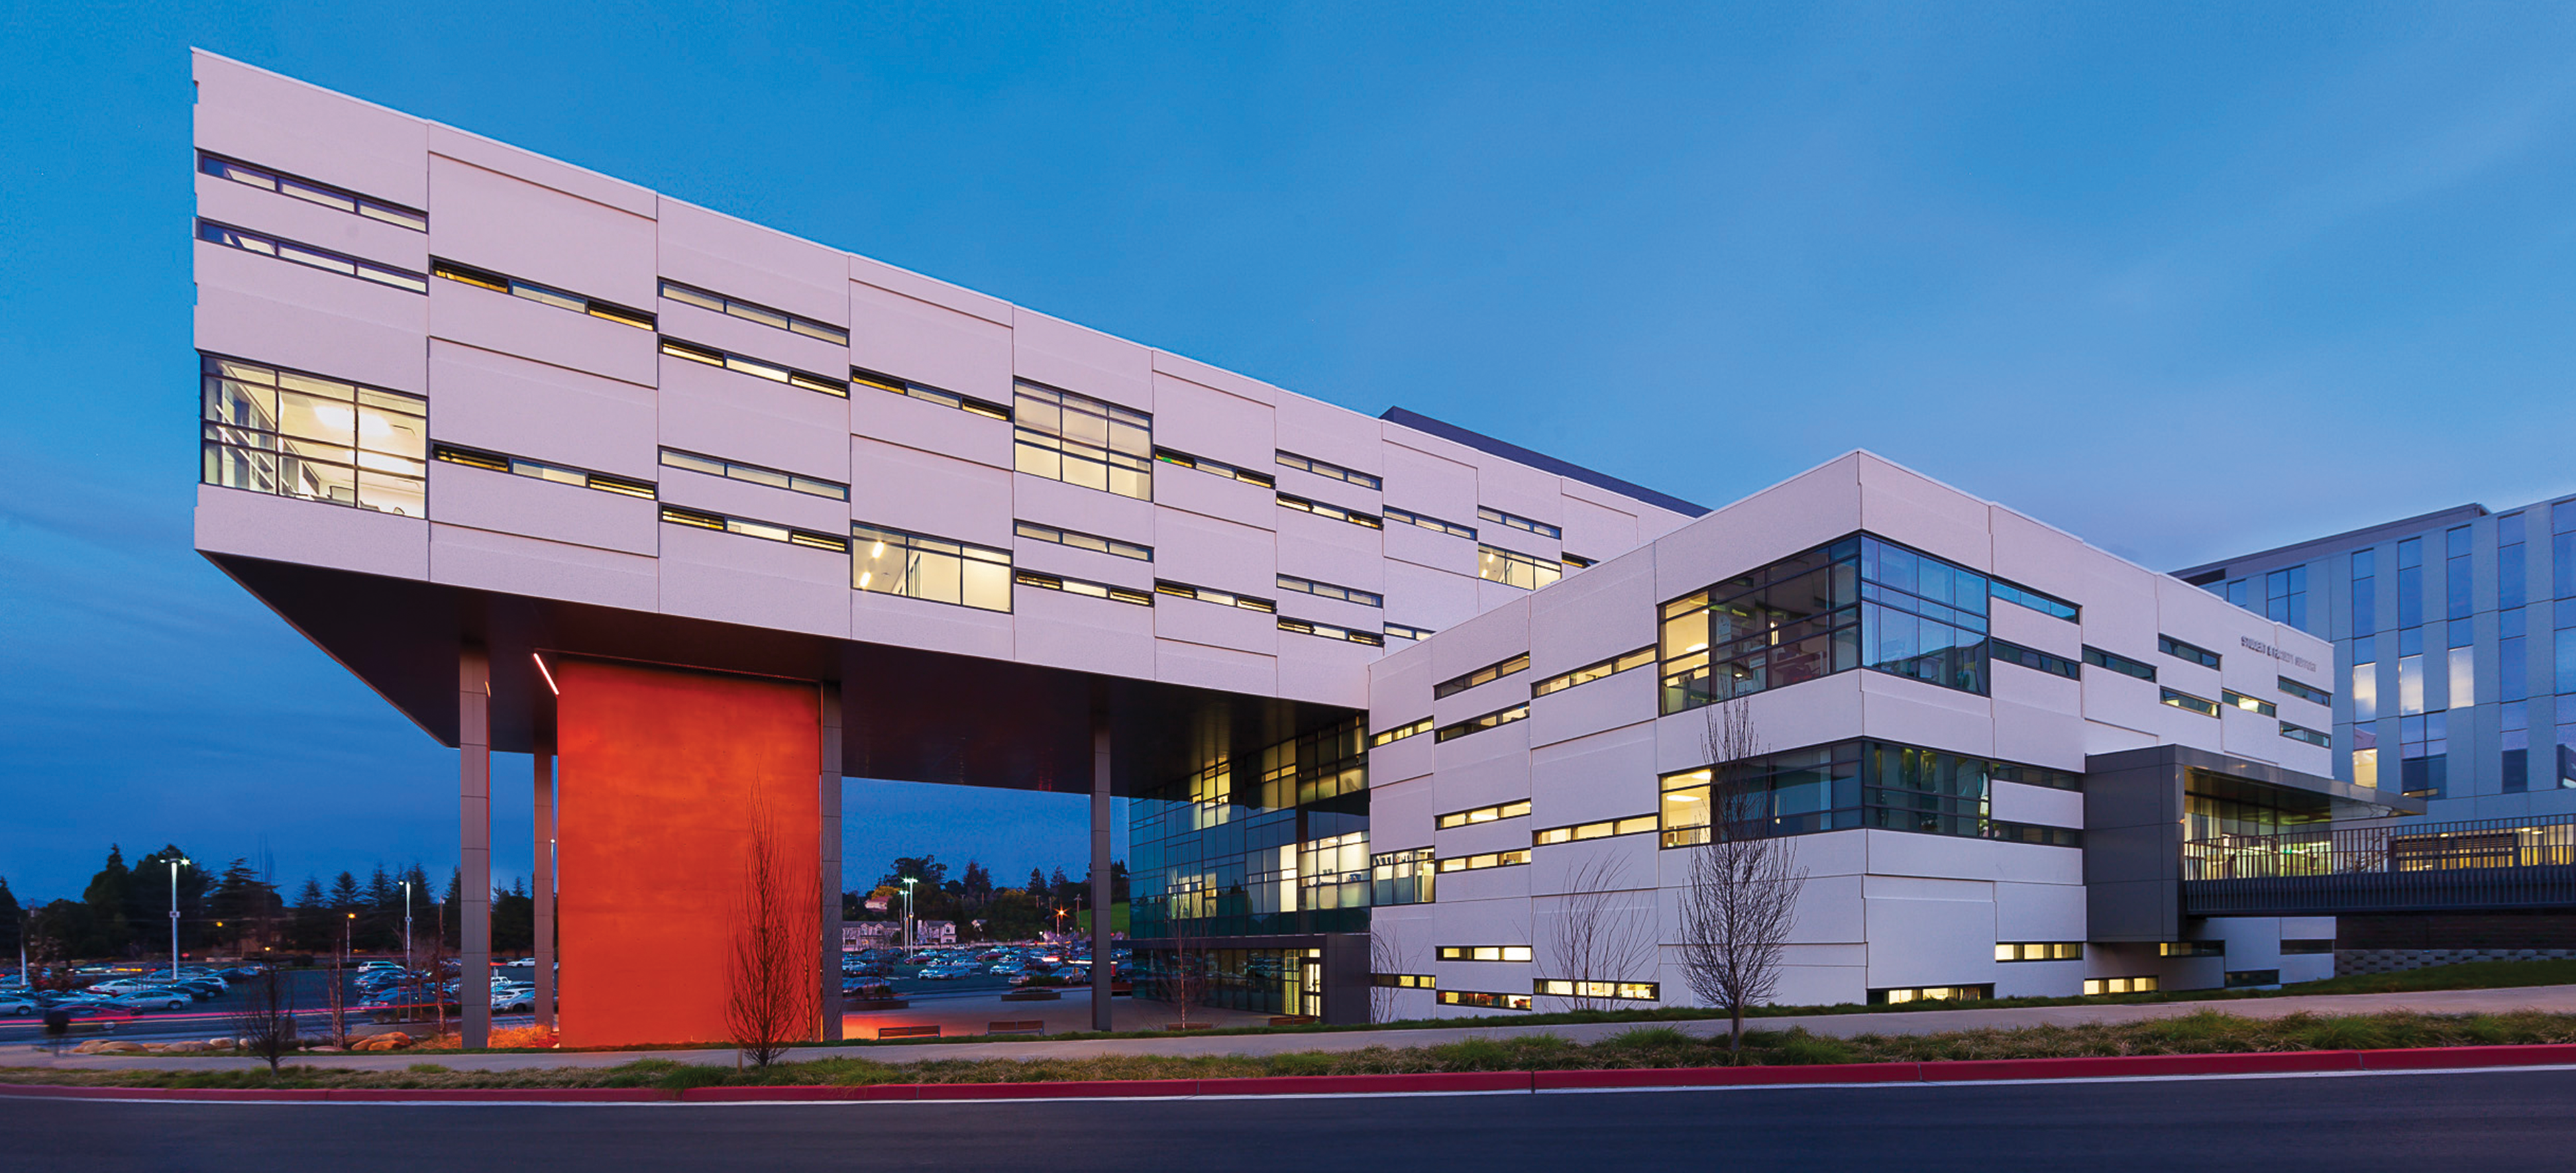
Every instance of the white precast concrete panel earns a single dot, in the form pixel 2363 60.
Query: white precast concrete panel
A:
pixel 480 318
pixel 503 503
pixel 254 115
pixel 1081 360
pixel 306 222
pixel 283 529
pixel 511 221
pixel 515 406
pixel 484 560
pixel 927 493
pixel 735 416
pixel 739 259
pixel 271 312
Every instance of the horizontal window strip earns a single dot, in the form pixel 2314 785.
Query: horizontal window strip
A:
pixel 2302 733
pixel 1404 981
pixel 1406 631
pixel 540 470
pixel 753 474
pixel 2118 663
pixel 2039 951
pixel 742 364
pixel 1213 467
pixel 2183 700
pixel 1483 814
pixel 1077 586
pixel 1492 720
pixel 2237 700
pixel 2013 653
pixel 1588 673
pixel 1326 590
pixel 1485 675
pixel 1484 860
pixel 1518 522
pixel 1605 829
pixel 1578 562
pixel 1484 953
pixel 1489 1001
pixel 1426 521
pixel 1328 509
pixel 768 531
pixel 1331 631
pixel 735 307
pixel 1082 541
pixel 2187 651
pixel 860 377
pixel 280 248
pixel 267 179
pixel 1580 988
pixel 543 294
pixel 933 569
pixel 2022 596
pixel 1182 590
pixel 2305 692
pixel 1325 468
pixel 1513 568
pixel 1400 732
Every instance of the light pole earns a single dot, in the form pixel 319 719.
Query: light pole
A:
pixel 406 925
pixel 176 862
pixel 907 916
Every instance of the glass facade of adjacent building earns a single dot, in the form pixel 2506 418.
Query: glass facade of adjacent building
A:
pixel 2455 635
pixel 1240 868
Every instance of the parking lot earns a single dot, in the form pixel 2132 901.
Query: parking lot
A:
pixel 307 991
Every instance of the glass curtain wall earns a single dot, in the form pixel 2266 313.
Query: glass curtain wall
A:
pixel 1859 602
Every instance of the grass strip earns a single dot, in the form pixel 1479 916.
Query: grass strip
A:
pixel 2204 1032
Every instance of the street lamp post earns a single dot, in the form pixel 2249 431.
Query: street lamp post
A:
pixel 406 925
pixel 908 941
pixel 176 862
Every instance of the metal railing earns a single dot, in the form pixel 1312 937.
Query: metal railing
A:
pixel 2501 863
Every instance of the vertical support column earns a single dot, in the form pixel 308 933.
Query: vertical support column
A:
pixel 543 888
pixel 827 794
pixel 474 843
pixel 1104 963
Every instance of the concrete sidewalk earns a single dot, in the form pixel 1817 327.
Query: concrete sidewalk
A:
pixel 2555 999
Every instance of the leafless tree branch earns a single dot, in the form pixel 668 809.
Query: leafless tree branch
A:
pixel 1741 897
pixel 1599 939
pixel 772 1000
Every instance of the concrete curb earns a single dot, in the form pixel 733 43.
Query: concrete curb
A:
pixel 1452 1083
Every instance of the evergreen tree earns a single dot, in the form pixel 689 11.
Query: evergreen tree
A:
pixel 311 923
pixel 242 907
pixel 147 900
pixel 1037 888
pixel 105 932
pixel 344 894
pixel 454 928
pixel 10 919
pixel 379 924
pixel 514 919
pixel 976 885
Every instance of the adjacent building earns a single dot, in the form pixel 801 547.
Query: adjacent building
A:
pixel 2456 636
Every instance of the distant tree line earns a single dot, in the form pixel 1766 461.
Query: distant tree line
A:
pixel 1007 913
pixel 240 910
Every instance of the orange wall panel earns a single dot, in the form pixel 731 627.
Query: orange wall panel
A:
pixel 662 773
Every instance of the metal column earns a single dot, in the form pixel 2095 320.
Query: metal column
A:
pixel 827 793
pixel 1104 965
pixel 474 843
pixel 543 888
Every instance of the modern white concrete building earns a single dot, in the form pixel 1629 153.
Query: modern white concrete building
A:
pixel 1987 740
pixel 717 517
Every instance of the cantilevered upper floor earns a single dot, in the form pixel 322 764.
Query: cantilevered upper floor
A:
pixel 456 391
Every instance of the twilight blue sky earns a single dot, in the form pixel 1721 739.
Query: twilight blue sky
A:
pixel 2187 280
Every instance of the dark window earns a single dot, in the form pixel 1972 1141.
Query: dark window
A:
pixel 2305 692
pixel 2118 663
pixel 2410 582
pixel 2183 651
pixel 1485 675
pixel 313 193
pixel 1516 521
pixel 540 470
pixel 2045 604
pixel 314 258
pixel 2456 601
pixel 2365 592
pixel 1492 720
pixel 1863 784
pixel 2253 977
pixel 541 294
pixel 1426 521
pixel 1323 468
pixel 2012 653
pixel 2306 946
pixel 735 307
pixel 758 368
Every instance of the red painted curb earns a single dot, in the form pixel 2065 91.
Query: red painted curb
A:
pixel 1438 1081
pixel 548 1095
pixel 2120 1066
pixel 720 1095
pixel 1726 1076
pixel 2421 1058
pixel 1069 1089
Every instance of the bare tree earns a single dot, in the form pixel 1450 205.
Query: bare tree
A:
pixel 1182 980
pixel 1600 939
pixel 773 997
pixel 1741 897
pixel 1386 959
pixel 265 1021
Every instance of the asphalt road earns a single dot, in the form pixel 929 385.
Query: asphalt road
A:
pixel 2489 1121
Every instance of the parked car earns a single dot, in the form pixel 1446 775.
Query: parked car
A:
pixel 148 1000
pixel 17 1004
pixel 514 1002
